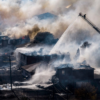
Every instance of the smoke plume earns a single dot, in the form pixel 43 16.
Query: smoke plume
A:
pixel 20 18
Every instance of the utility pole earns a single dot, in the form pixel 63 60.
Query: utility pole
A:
pixel 10 72
pixel 11 78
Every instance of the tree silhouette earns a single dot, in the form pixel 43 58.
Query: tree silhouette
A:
pixel 86 92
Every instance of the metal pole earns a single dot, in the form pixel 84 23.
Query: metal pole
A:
pixel 11 78
pixel 10 72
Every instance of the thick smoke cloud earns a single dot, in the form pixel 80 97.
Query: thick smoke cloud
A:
pixel 19 18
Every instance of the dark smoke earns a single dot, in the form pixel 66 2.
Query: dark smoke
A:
pixel 45 38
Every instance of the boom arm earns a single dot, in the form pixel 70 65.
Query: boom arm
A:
pixel 90 23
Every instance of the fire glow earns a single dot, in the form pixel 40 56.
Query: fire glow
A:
pixel 68 6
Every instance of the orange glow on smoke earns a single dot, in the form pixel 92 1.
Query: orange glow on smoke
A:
pixel 68 6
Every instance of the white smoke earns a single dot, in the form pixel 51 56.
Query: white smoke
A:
pixel 78 32
pixel 16 18
pixel 43 74
pixel 35 50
